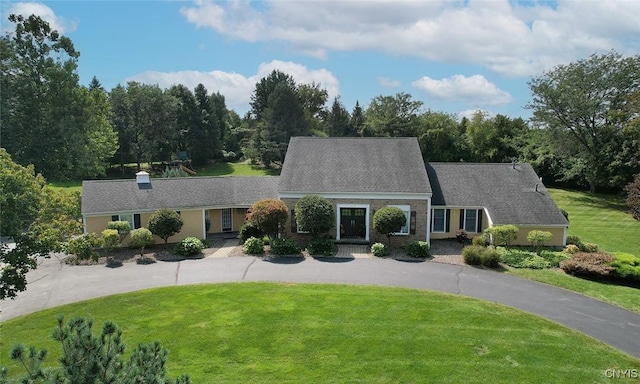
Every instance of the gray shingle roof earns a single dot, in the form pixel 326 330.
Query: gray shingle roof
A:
pixel 378 165
pixel 104 196
pixel 508 194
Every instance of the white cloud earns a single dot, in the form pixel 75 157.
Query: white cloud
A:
pixel 510 38
pixel 237 88
pixel 388 83
pixel 27 9
pixel 475 90
pixel 470 113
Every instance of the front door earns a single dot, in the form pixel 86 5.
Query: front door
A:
pixel 226 220
pixel 352 223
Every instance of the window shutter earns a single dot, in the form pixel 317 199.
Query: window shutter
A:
pixel 115 218
pixel 412 223
pixel 136 221
pixel 479 228
pixel 447 220
pixel 461 219
pixel 294 224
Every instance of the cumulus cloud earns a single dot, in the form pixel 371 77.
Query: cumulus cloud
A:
pixel 27 9
pixel 475 90
pixel 237 88
pixel 510 38
pixel 470 113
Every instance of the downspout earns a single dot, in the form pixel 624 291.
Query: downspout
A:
pixel 429 221
pixel 204 225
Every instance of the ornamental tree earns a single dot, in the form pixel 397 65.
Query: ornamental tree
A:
pixel 502 234
pixel 633 197
pixel 140 238
pixel 269 216
pixel 314 214
pixel 165 223
pixel 389 220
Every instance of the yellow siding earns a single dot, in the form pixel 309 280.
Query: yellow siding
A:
pixel 193 225
pixel 97 224
pixel 557 232
pixel 454 225
pixel 215 216
pixel 239 215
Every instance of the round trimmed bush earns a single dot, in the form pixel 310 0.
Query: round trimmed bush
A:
pixel 189 246
pixel 571 249
pixel 472 254
pixel 321 246
pixel 479 240
pixel 418 249
pixel 247 230
pixel 285 247
pixel 110 239
pixel 379 250
pixel 490 258
pixel 253 246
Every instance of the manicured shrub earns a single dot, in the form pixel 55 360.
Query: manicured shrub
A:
pixel 84 247
pixel 573 239
pixel 284 247
pixel 265 240
pixel 502 234
pixel 389 220
pixel 479 240
pixel 472 254
pixel 253 246
pixel 588 264
pixel 321 246
pixel 588 247
pixel 123 228
pixel 379 250
pixel 571 249
pixel 553 257
pixel 141 238
pixel 490 257
pixel 189 246
pixel 417 249
pixel 247 230
pixel 110 239
pixel 626 266
pixel 165 223
pixel 314 214
pixel 269 216
pixel 539 238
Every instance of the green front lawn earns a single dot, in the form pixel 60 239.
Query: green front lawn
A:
pixel 600 219
pixel 294 333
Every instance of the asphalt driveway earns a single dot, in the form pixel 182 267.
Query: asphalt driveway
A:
pixel 54 284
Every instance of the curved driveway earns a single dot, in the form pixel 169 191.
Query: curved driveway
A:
pixel 54 284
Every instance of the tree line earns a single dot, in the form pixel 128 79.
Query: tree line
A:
pixel 584 130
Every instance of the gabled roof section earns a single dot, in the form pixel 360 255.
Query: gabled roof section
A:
pixel 105 196
pixel 358 165
pixel 507 191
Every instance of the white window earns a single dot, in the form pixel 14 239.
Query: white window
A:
pixel 407 213
pixel 125 217
pixel 439 220
pixel 471 220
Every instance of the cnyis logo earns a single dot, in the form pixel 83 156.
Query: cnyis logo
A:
pixel 618 373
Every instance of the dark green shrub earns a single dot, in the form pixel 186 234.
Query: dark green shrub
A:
pixel 265 240
pixel 588 247
pixel 379 250
pixel 417 249
pixel 472 254
pixel 588 264
pixel 253 246
pixel 321 246
pixel 565 214
pixel 165 223
pixel 189 246
pixel 284 247
pixel 389 220
pixel 490 258
pixel 554 257
pixel 110 239
pixel 247 231
pixel 314 214
pixel 573 239
pixel 84 247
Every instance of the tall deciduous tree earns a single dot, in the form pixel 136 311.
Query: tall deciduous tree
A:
pixel 268 215
pixel 393 116
pixel 578 104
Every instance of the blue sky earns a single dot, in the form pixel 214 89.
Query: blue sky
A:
pixel 455 56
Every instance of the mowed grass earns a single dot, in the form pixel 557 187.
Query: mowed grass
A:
pixel 623 296
pixel 235 169
pixel 600 219
pixel 297 333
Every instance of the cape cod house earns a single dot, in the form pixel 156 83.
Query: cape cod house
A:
pixel 359 176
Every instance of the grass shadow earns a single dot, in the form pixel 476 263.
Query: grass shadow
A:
pixel 285 260
pixel 333 259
